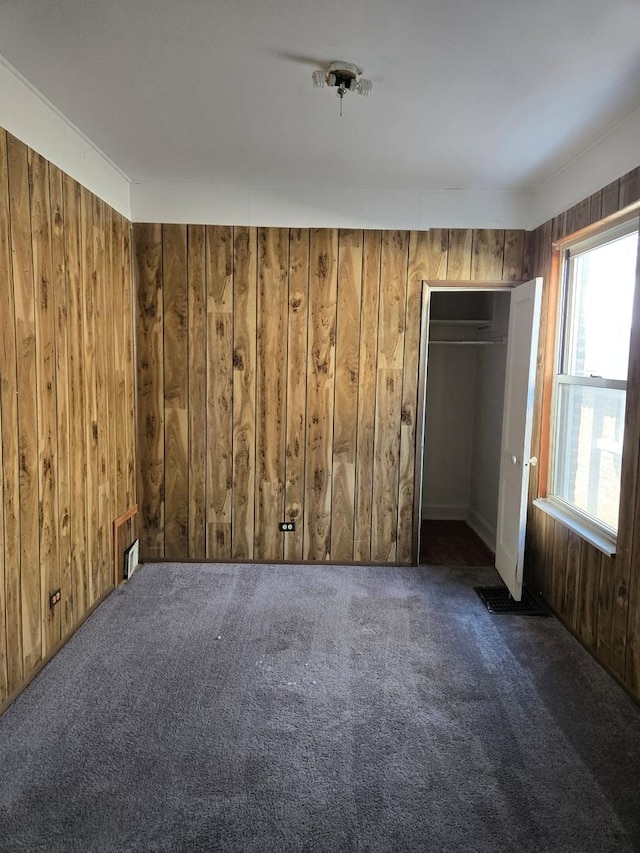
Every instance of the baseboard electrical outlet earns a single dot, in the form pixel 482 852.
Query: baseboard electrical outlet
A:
pixel 131 559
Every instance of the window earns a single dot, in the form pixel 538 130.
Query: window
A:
pixel 591 379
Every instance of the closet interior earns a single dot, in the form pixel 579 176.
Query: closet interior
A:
pixel 466 366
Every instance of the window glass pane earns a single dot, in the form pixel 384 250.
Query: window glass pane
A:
pixel 599 305
pixel 588 451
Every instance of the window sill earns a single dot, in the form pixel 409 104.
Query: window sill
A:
pixel 590 532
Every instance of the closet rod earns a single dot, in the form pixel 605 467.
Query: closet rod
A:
pixel 494 343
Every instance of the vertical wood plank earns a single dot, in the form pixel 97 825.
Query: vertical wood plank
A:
pixel 118 384
pixel 11 625
pixel 103 541
pixel 323 280
pixel 582 213
pixel 459 257
pixel 528 258
pixel 372 252
pixel 595 207
pixel 514 243
pixel 429 254
pixel 27 408
pixel 273 294
pixel 176 378
pixel 219 248
pixel 345 421
pixel 197 343
pixel 611 643
pixel 573 579
pixel 559 567
pixel 90 393
pixel 112 301
pixel 245 245
pixel 406 497
pixel 62 373
pixel 587 622
pixel 148 242
pixel 47 455
pixel 629 188
pixel 77 444
pixel 391 338
pixel 487 255
pixel 547 534
pixel 296 390
pixel 610 198
pixel 130 366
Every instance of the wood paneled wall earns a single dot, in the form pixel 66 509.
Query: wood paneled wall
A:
pixel 277 380
pixel 67 401
pixel 597 597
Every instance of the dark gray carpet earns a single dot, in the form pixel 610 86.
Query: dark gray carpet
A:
pixel 263 708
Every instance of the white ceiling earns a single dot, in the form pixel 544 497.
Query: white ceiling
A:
pixel 472 95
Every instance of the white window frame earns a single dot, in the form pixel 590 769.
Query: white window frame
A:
pixel 592 528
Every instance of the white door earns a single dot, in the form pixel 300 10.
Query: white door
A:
pixel 515 461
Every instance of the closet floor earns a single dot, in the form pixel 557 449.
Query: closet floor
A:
pixel 452 543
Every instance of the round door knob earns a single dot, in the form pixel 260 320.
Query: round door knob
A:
pixel 514 459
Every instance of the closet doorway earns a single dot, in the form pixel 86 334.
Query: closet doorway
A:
pixel 474 424
pixel 463 426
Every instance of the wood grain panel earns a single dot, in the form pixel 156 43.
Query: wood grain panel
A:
pixel 219 251
pixel 117 387
pixel 588 590
pixel 592 593
pixel 573 578
pixel 58 405
pixel 77 444
pixel 62 371
pixel 176 376
pixel 323 266
pixel 345 421
pixel 610 199
pixel 46 402
pixel 428 254
pixel 296 390
pixel 111 301
pixel 197 344
pixel 391 336
pixel 372 254
pixel 10 448
pixel 273 295
pixel 27 407
pixel 459 256
pixel 89 278
pixel 406 482
pixel 150 388
pixel 629 188
pixel 244 391
pixel 104 559
pixel 10 629
pixel 487 255
pixel 513 262
pixel 130 367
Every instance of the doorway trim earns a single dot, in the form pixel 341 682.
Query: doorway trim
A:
pixel 421 407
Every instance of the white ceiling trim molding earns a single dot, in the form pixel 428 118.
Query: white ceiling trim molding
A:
pixel 30 117
pixel 325 207
pixel 607 159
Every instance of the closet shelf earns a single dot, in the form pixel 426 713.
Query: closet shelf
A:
pixel 478 324
pixel 494 342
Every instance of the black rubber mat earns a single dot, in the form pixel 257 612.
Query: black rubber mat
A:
pixel 497 599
